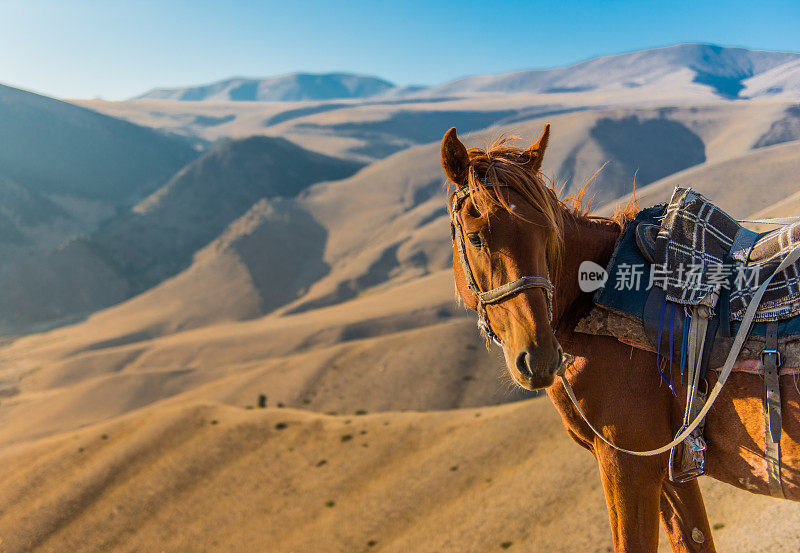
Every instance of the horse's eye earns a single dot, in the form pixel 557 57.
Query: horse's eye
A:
pixel 475 239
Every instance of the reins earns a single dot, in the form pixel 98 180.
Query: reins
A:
pixel 738 342
pixel 504 291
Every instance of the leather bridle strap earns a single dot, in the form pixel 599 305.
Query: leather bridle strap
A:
pixel 495 295
pixel 502 292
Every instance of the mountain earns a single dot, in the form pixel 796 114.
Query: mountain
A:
pixel 141 246
pixel 158 237
pixel 64 170
pixel 53 147
pixel 285 88
pixel 782 81
pixel 681 70
pixel 724 70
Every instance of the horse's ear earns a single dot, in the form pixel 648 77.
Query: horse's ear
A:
pixel 536 152
pixel 455 160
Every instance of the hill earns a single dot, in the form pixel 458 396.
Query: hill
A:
pixel 53 147
pixel 284 88
pixel 158 237
pixel 743 186
pixel 64 170
pixel 360 354
pixel 136 247
pixel 217 478
pixel 337 265
pixel 782 81
pixel 385 224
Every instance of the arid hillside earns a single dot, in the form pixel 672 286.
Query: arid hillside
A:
pixel 215 478
pixel 251 343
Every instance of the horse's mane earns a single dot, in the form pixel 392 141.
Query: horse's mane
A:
pixel 503 163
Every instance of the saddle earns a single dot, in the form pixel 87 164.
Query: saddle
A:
pixel 679 283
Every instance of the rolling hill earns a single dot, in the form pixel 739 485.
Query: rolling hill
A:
pixel 64 170
pixel 138 246
pixel 782 81
pixel 337 239
pixel 207 476
pixel 352 253
pixel 742 186
pixel 158 237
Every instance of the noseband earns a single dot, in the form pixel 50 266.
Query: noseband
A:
pixel 495 295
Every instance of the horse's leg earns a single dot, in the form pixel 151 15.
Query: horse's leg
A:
pixel 632 487
pixel 684 518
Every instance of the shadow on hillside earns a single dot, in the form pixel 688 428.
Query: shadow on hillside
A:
pixel 785 129
pixel 406 128
pixel 648 150
pixel 296 113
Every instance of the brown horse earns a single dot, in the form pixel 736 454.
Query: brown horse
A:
pixel 513 225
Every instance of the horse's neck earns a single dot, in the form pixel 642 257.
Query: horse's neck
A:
pixel 584 240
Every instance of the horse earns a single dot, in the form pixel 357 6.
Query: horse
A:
pixel 522 243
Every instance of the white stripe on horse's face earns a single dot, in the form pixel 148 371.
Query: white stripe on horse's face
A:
pixel 513 207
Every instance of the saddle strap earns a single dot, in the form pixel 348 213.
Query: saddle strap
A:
pixel 738 342
pixel 772 221
pixel 771 361
pixel 692 461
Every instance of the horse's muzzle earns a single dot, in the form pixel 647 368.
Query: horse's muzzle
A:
pixel 536 369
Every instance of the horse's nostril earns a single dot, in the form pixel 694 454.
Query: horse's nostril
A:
pixel 523 364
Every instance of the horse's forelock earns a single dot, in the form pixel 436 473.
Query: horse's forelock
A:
pixel 502 163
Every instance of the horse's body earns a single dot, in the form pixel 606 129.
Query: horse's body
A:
pixel 616 385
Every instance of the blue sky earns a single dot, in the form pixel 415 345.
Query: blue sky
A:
pixel 116 49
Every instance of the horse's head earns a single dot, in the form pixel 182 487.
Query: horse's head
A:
pixel 506 225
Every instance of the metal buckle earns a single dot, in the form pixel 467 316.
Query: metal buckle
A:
pixel 776 353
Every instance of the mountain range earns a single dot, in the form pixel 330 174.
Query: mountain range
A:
pixel 728 72
pixel 171 265
pixel 285 88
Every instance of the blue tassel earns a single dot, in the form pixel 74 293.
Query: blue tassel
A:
pixel 685 343
pixel 671 345
pixel 658 352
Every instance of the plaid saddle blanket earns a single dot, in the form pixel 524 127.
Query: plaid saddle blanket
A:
pixel 700 249
pixel 687 249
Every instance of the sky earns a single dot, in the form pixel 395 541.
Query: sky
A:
pixel 117 49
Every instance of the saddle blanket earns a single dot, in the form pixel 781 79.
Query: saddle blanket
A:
pixel 700 248
pixel 630 331
pixel 674 256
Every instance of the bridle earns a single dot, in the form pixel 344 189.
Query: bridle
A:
pixel 495 295
pixel 504 291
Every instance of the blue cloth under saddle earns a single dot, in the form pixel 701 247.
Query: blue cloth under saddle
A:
pixel 631 278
